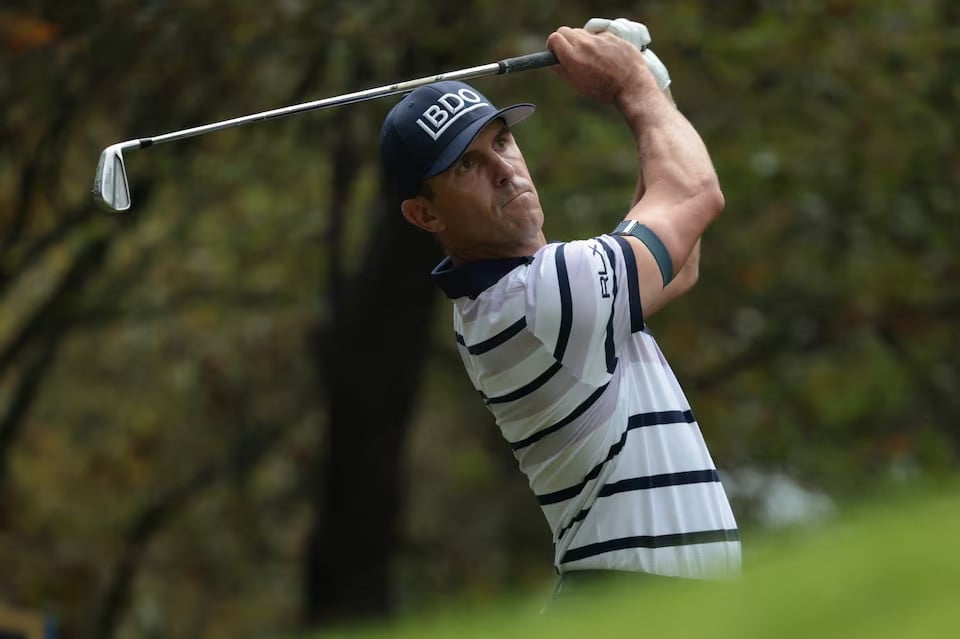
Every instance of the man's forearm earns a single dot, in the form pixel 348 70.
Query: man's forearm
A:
pixel 680 194
pixel 692 262
pixel 672 155
pixel 641 187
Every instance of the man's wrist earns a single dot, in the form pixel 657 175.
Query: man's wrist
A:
pixel 636 81
pixel 639 101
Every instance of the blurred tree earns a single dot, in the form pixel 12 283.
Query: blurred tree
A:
pixel 371 359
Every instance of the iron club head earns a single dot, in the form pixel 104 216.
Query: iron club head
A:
pixel 110 188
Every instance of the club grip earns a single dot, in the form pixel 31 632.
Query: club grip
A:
pixel 527 62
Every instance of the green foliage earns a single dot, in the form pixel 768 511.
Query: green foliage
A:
pixel 879 572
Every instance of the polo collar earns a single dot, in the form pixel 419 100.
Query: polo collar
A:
pixel 472 278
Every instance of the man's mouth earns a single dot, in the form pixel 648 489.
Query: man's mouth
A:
pixel 513 197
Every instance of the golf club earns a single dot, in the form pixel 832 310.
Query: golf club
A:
pixel 111 190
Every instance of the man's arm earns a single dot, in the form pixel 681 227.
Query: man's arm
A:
pixel 681 283
pixel 681 193
pixel 687 278
pixel 641 187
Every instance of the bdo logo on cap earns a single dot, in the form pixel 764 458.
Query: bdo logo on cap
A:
pixel 448 108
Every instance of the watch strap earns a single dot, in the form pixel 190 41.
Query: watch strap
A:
pixel 652 242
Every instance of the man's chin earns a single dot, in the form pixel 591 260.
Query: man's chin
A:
pixel 532 225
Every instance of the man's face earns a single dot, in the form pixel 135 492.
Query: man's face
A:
pixel 486 204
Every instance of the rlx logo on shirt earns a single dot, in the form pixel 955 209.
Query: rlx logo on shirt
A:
pixel 604 278
pixel 448 108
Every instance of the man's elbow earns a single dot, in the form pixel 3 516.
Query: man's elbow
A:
pixel 712 197
pixel 689 275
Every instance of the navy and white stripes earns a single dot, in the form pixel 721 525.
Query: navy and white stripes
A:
pixel 496 340
pixel 651 542
pixel 635 421
pixel 566 305
pixel 557 348
pixel 575 413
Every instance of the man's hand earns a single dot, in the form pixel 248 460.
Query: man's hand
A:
pixel 601 66
pixel 636 34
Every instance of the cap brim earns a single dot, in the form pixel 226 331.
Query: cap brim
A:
pixel 511 115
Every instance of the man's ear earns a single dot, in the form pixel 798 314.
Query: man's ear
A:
pixel 419 212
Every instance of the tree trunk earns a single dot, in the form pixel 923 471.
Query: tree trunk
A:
pixel 372 366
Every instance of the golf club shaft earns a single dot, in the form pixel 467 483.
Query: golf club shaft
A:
pixel 112 192
pixel 510 65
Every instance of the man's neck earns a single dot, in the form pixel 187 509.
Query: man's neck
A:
pixel 480 253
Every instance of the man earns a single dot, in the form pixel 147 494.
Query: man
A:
pixel 553 336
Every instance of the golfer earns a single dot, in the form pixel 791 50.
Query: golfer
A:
pixel 554 336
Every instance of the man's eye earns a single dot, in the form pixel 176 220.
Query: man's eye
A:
pixel 502 141
pixel 465 164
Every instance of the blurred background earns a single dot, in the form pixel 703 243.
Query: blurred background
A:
pixel 238 410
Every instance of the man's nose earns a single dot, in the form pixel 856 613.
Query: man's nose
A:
pixel 503 170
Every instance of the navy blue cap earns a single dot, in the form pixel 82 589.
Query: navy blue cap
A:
pixel 425 133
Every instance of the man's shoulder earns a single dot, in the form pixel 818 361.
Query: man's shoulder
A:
pixel 575 249
pixel 576 259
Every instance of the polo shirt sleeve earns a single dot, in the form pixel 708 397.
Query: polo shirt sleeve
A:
pixel 583 301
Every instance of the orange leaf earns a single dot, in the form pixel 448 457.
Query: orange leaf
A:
pixel 21 32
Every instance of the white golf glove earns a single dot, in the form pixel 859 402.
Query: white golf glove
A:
pixel 639 36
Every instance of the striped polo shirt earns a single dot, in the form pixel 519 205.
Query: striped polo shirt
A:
pixel 557 348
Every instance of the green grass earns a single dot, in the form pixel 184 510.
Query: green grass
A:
pixel 886 571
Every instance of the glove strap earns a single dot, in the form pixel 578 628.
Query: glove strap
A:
pixel 652 242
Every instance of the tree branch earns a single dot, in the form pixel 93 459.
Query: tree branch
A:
pixel 28 385
pixel 45 318
pixel 152 517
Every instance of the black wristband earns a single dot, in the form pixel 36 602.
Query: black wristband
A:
pixel 652 242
